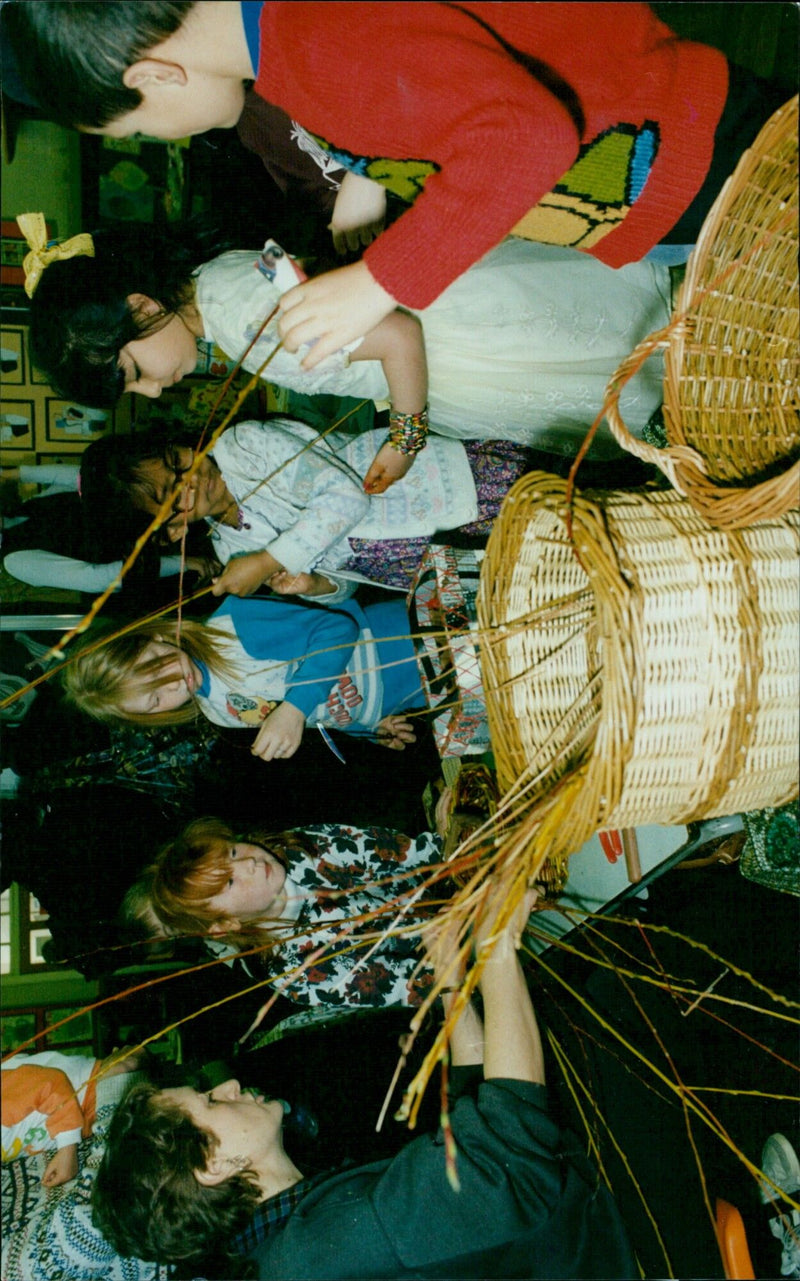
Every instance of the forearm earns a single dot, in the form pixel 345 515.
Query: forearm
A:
pixel 466 1039
pixel 513 1047
pixel 328 649
pixel 41 568
pixel 399 345
pixel 61 475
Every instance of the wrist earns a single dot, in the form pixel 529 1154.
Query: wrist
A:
pixel 408 433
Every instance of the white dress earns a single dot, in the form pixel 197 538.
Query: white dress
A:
pixel 520 347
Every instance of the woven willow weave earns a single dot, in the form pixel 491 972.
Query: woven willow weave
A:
pixel 732 365
pixel 655 680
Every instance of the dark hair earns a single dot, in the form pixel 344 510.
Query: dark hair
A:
pixel 71 56
pixel 80 316
pixel 110 478
pixel 146 1200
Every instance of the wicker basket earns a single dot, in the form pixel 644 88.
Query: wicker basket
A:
pixel 653 680
pixel 732 365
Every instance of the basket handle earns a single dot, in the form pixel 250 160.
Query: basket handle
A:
pixel 667 460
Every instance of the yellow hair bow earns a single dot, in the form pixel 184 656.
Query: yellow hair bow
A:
pixel 33 228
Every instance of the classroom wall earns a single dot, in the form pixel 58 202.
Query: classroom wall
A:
pixel 45 174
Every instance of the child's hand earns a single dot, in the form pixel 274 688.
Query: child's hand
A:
pixel 332 310
pixel 387 466
pixel 444 808
pixel 358 214
pixel 206 567
pixel 62 1167
pixel 286 584
pixel 394 732
pixel 281 734
pixel 244 574
pixel 119 1062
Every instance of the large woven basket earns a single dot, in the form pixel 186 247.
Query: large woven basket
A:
pixel 732 364
pixel 653 680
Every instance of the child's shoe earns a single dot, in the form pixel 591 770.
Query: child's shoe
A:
pixel 780 1163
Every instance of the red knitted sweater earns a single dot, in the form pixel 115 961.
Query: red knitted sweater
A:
pixel 612 126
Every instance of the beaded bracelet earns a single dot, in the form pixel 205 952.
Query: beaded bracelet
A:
pixel 408 432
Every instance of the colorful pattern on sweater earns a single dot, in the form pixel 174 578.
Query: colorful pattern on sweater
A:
pixel 48 1234
pixel 591 199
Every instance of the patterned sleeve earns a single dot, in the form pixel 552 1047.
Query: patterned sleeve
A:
pixel 379 849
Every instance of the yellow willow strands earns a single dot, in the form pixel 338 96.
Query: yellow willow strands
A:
pixel 685 993
pixel 203 591
pixel 707 996
pixel 545 613
pixel 777 997
pixel 584 920
pixel 673 1087
pixel 684 1096
pixel 413 1095
pixel 161 515
pixel 574 1083
pixel 709 1014
pixel 118 996
pixel 450 1151
pixel 756 1094
pixel 90 649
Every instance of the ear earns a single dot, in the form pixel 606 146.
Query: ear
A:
pixel 142 306
pixel 227 925
pixel 153 71
pixel 214 1173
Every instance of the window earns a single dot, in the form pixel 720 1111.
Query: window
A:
pixel 23 933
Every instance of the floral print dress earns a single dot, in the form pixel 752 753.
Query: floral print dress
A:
pixel 341 899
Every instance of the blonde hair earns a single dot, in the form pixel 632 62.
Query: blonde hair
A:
pixel 194 868
pixel 137 913
pixel 101 676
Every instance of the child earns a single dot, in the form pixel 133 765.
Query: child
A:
pixel 266 663
pixel 49 545
pixel 518 348
pixel 48 1101
pixel 292 893
pixel 589 125
pixel 287 508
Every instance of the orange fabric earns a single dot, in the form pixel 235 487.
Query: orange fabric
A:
pixel 40 1089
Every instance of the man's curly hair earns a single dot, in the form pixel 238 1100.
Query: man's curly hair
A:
pixel 146 1200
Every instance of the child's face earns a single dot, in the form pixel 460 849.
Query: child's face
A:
pixel 205 493
pixel 146 697
pixel 159 359
pixel 177 106
pixel 256 886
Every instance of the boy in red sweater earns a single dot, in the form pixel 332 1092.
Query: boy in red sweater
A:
pixel 587 124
